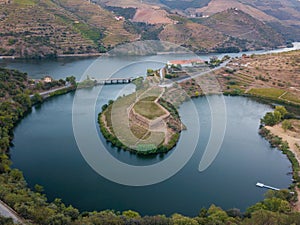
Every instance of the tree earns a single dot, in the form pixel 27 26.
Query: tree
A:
pixel 71 212
pixel 37 98
pixel 71 80
pixel 282 194
pixel 150 72
pixel 129 214
pixel 282 110
pixel 286 125
pixel 59 219
pixel 39 188
pixel 277 205
pixel 23 99
pixel 104 107
pixel 269 119
pixel 178 219
pixel 272 118
pixel 277 116
pixel 264 217
pixel 6 221
pixel 216 214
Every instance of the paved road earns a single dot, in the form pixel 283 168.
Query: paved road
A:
pixel 188 77
pixel 6 211
pixel 204 73
pixel 51 91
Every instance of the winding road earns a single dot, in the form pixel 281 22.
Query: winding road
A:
pixel 45 93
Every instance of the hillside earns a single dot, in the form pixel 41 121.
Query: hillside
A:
pixel 282 15
pixel 58 27
pixel 24 35
pixel 229 31
pixel 274 76
pixel 193 35
pixel 238 24
pixel 198 34
pixel 96 16
pixel 61 27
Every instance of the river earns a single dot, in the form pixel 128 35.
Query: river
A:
pixel 46 151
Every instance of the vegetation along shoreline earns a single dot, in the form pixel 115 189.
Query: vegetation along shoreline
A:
pixel 16 194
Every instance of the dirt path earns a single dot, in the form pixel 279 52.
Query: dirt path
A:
pixel 292 138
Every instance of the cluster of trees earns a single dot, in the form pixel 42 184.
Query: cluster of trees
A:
pixel 278 115
pixel 275 209
pixel 47 86
pixel 12 82
pixel 127 13
pixel 88 82
pixel 147 31
pixel 170 107
pixel 230 49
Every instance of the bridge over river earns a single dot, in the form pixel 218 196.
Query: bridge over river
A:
pixel 114 81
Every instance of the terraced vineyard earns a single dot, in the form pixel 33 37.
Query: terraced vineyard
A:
pixel 57 27
pixel 275 76
pixel 53 32
pixel 114 32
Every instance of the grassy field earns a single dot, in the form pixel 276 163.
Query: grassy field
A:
pixel 131 133
pixel 148 109
pixel 267 92
pixel 139 131
pixel 273 76
pixel 290 97
pixel 25 2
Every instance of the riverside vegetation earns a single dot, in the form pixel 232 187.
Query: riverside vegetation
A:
pixel 281 115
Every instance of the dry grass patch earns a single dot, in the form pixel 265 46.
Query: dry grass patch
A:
pixel 291 97
pixel 149 109
pixel 139 131
pixel 267 92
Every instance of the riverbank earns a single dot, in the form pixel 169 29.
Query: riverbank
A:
pixel 296 45
pixel 293 140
